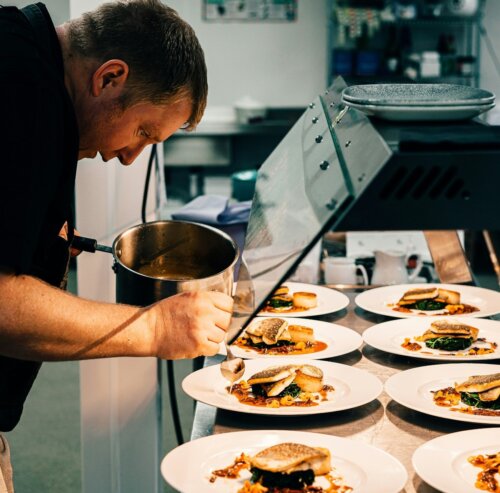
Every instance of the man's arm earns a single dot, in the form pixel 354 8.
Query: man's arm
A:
pixel 42 323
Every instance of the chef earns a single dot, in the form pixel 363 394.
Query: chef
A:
pixel 112 81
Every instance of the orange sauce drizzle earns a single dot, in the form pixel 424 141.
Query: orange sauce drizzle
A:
pixel 460 309
pixel 449 397
pixel 314 347
pixel 473 351
pixel 411 346
pixel 244 394
pixel 242 462
pixel 490 465
pixel 232 471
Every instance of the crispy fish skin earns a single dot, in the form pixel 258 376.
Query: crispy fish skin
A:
pixel 449 327
pixel 444 328
pixel 428 334
pixel 258 329
pixel 479 383
pixel 420 294
pixel 290 457
pixel 271 332
pixel 273 374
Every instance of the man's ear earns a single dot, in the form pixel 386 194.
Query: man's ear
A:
pixel 110 75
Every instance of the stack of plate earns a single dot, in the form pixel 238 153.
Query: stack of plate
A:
pixel 410 102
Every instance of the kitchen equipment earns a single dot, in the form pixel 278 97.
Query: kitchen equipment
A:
pixel 343 270
pixel 243 184
pixel 232 368
pixel 419 102
pixel 390 268
pixel 159 259
pixel 432 8
pixel 422 113
pixel 89 245
pixel 464 8
pixel 249 110
pixel 337 169
pixel 417 95
pixel 405 9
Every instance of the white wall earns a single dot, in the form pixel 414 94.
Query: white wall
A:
pixel 58 9
pixel 280 64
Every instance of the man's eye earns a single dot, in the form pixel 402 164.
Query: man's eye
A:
pixel 143 133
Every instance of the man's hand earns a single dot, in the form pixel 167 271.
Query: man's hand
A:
pixel 74 252
pixel 190 324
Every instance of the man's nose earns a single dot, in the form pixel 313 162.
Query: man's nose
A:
pixel 128 155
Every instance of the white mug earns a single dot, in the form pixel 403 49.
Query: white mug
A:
pixel 343 270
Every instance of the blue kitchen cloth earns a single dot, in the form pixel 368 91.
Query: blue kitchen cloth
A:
pixel 214 209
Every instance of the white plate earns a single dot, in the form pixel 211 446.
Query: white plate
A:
pixel 389 336
pixel 329 301
pixel 365 468
pixel 413 388
pixel 353 387
pixel 421 113
pixel 417 94
pixel 376 300
pixel 442 462
pixel 340 340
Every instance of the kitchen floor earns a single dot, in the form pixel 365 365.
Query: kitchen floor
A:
pixel 45 446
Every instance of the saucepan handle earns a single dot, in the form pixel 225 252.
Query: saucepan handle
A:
pixel 89 245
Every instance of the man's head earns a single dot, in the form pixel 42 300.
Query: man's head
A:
pixel 133 61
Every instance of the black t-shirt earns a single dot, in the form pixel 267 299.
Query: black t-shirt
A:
pixel 39 152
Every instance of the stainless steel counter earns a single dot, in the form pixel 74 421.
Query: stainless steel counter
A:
pixel 264 127
pixel 278 121
pixel 382 423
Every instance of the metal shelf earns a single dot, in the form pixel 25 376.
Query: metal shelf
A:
pixel 466 31
pixel 436 21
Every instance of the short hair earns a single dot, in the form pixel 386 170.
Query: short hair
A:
pixel 165 59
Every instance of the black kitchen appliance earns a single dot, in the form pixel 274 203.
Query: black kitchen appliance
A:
pixel 339 170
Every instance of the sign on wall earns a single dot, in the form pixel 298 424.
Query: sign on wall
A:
pixel 250 10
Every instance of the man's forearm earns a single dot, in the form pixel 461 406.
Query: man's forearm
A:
pixel 42 323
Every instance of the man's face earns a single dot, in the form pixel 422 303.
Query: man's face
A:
pixel 106 129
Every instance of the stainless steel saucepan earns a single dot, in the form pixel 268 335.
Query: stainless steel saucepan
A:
pixel 159 259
